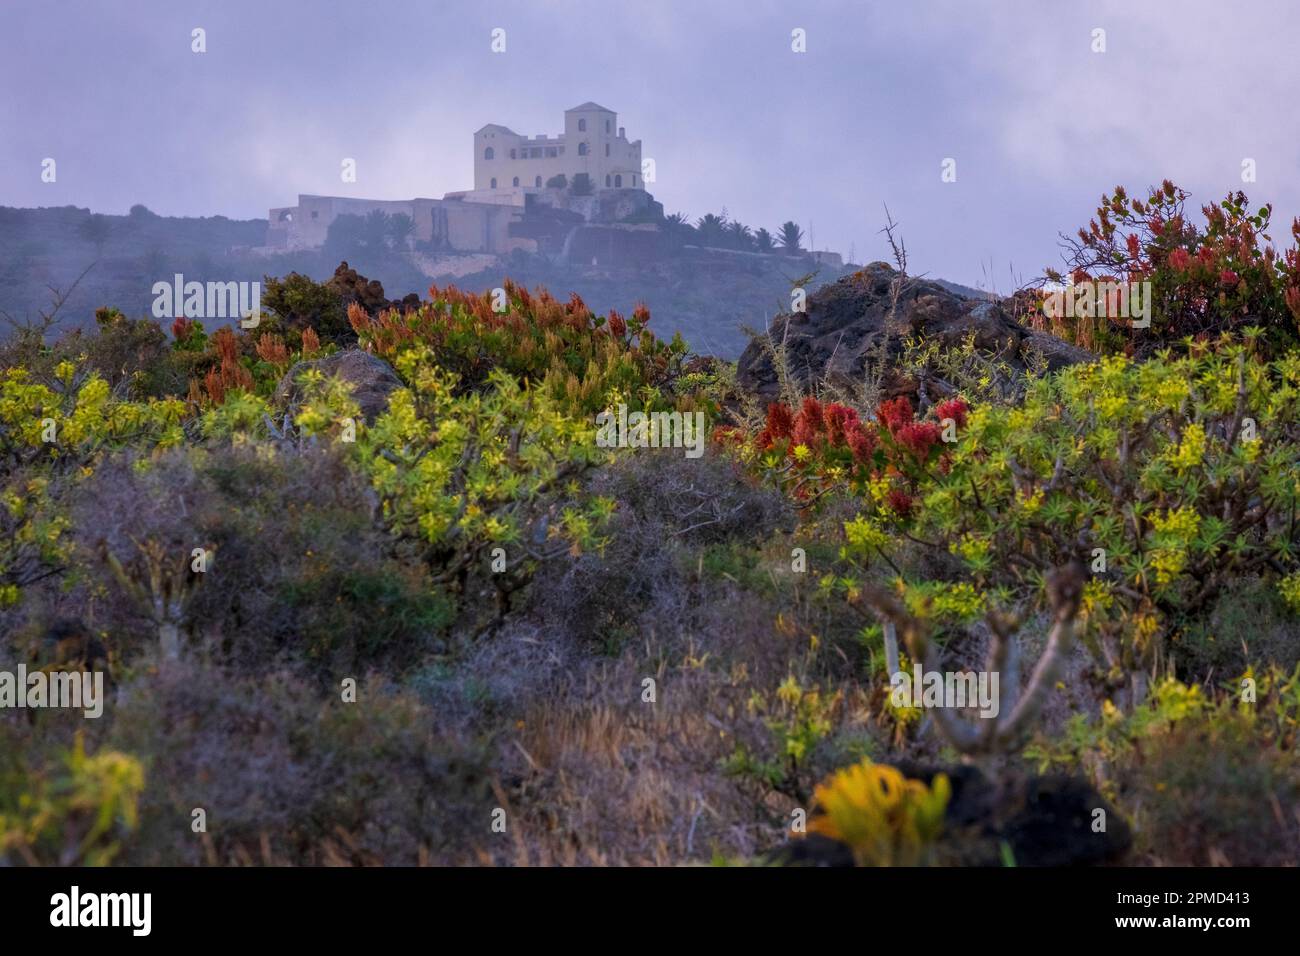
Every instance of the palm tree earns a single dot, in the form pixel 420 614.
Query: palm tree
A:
pixel 711 228
pixel 374 230
pixel 739 235
pixel 400 227
pixel 763 241
pixel 790 237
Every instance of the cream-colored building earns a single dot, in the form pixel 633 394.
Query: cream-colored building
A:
pixel 449 224
pixel 507 169
pixel 507 164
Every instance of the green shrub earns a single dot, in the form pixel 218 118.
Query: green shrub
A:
pixel 1167 479
pixel 300 575
pixel 1203 776
pixel 74 809
pixel 301 302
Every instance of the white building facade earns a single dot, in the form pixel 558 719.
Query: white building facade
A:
pixel 507 164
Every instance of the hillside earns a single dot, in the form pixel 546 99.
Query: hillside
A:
pixel 709 296
pixel 923 579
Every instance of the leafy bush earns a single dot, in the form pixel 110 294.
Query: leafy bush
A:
pixel 245 362
pixel 460 474
pixel 301 302
pixel 1205 280
pixel 800 719
pixel 1204 774
pixel 581 360
pixel 51 431
pixel 299 574
pixel 76 810
pixel 1166 479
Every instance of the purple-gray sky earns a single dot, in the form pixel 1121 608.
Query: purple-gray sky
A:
pixel 1038 123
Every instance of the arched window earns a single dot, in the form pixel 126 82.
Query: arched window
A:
pixel 582 149
pixel 618 182
pixel 607 180
pixel 634 180
pixel 606 126
pixel 538 182
pixel 487 153
pixel 582 126
pixel 494 182
pixel 516 182
pixel 607 149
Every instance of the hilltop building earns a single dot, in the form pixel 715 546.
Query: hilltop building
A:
pixel 507 164
pixel 511 175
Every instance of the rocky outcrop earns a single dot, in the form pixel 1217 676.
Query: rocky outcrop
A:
pixel 851 324
pixel 372 380
pixel 351 286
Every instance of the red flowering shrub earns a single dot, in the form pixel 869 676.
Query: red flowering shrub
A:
pixel 954 408
pixel 576 355
pixel 310 342
pixel 826 446
pixel 271 349
pixel 240 360
pixel 189 335
pixel 226 375
pixel 1225 276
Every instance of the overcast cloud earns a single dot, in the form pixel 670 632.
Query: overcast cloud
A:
pixel 1039 124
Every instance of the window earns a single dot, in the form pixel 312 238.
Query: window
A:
pixel 538 181
pixel 606 126
pixel 607 180
pixel 535 153
pixel 494 182
pixel 607 149
pixel 315 214
pixel 550 152
pixel 582 126
pixel 516 182
pixel 582 149
pixel 512 154
pixel 634 180
pixel 618 182
pixel 561 150
pixel 487 153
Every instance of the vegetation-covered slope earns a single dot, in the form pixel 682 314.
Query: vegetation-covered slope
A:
pixel 457 626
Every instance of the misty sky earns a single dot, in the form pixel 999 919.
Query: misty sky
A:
pixel 1039 124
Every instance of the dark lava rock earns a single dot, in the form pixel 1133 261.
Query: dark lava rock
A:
pixel 848 324
pixel 351 287
pixel 372 380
